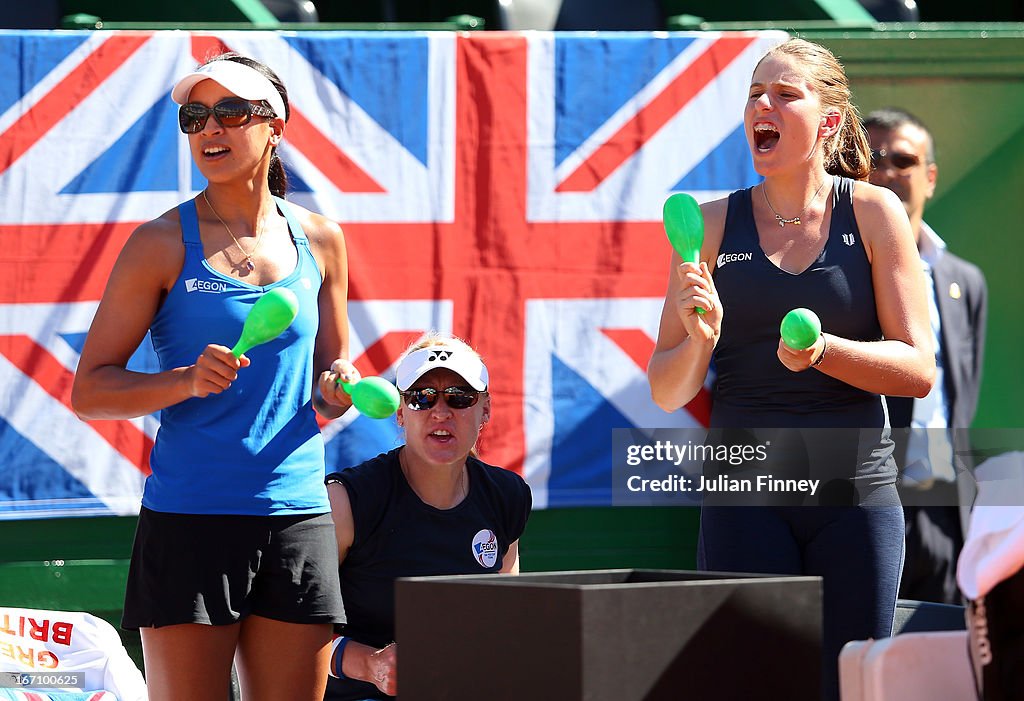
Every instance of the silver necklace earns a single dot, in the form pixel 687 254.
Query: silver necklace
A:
pixel 795 220
pixel 249 264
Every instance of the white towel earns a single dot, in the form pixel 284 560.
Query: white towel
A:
pixel 994 547
pixel 34 641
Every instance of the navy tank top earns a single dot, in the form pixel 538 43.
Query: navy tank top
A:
pixel 255 448
pixel 753 388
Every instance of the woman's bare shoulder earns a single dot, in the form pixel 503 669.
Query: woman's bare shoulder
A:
pixel 714 212
pixel 156 246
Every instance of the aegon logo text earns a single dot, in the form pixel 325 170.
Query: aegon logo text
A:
pixel 733 257
pixel 197 285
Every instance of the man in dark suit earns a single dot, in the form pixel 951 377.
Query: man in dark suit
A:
pixel 935 448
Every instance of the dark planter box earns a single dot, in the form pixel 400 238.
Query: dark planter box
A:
pixel 609 635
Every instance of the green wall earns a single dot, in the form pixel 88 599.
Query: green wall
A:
pixel 970 92
pixel 180 11
pixel 81 564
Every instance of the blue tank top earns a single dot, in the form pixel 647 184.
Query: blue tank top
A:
pixel 753 388
pixel 256 448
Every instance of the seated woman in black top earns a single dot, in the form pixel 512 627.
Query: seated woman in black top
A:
pixel 428 507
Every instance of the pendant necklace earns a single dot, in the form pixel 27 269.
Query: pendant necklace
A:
pixel 778 217
pixel 249 264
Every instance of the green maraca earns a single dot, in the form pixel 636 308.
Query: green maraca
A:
pixel 684 226
pixel 269 317
pixel 373 396
pixel 800 328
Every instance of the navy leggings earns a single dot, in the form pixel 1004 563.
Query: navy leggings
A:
pixel 857 550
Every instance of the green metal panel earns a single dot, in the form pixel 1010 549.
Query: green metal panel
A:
pixel 256 12
pixel 598 538
pixel 968 86
pixel 959 11
pixel 822 30
pixel 407 11
pixel 69 564
pixel 71 585
pixel 100 537
pixel 178 12
pixel 459 23
pixel 716 11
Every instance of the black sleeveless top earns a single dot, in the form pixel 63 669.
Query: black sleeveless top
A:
pixel 398 535
pixel 753 388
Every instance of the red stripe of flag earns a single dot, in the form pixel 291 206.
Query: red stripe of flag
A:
pixel 381 355
pixel 69 92
pixel 47 372
pixel 639 347
pixel 645 123
pixel 205 47
pixel 58 262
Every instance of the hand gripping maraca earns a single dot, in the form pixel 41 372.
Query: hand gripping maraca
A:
pixel 373 396
pixel 800 328
pixel 684 226
pixel 269 317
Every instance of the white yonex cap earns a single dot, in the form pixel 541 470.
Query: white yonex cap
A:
pixel 248 83
pixel 462 361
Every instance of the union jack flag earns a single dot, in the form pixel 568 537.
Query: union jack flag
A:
pixel 504 187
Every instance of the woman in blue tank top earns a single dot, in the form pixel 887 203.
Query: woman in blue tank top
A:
pixel 812 234
pixel 235 544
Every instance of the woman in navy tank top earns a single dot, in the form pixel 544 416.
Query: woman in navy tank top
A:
pixel 812 234
pixel 235 544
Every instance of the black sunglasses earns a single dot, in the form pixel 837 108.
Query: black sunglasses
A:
pixel 900 161
pixel 454 397
pixel 229 112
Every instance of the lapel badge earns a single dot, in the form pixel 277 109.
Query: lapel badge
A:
pixel 954 290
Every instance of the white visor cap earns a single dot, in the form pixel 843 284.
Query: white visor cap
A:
pixel 248 83
pixel 464 363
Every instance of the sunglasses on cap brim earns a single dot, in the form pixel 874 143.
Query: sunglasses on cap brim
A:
pixel 229 112
pixel 454 397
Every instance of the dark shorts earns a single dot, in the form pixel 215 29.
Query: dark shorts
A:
pixel 214 569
